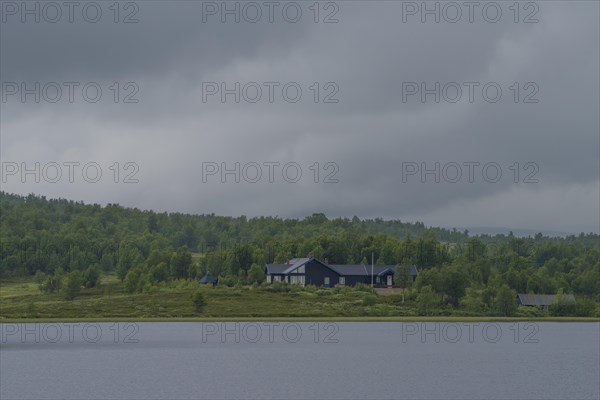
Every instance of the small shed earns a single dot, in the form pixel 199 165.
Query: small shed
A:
pixel 208 279
pixel 541 300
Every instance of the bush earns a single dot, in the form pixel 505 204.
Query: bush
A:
pixel 199 300
pixel 428 301
pixel 361 287
pixel 135 280
pixel 342 289
pixel 51 284
pixel 530 312
pixel 278 287
pixel 310 288
pixel 72 286
pixel 256 274
pixel 227 280
pixel 505 301
pixel 370 300
pixel 91 276
pixel 582 307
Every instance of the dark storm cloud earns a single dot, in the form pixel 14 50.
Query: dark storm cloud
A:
pixel 370 134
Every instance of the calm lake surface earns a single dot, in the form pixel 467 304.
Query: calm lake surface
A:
pixel 300 361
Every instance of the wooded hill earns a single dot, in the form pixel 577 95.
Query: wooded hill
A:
pixel 47 235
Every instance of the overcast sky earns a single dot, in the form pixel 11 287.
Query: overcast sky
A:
pixel 368 130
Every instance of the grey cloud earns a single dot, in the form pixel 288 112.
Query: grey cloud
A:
pixel 369 133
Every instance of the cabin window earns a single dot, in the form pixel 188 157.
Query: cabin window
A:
pixel 342 280
pixel 297 279
pixel 268 278
pixel 277 278
pixel 326 281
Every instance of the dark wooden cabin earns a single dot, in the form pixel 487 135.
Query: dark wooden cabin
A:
pixel 311 271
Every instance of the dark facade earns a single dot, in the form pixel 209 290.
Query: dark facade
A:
pixel 310 271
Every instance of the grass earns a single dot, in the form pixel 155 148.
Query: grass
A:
pixel 20 300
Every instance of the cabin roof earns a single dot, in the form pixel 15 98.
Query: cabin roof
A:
pixel 208 278
pixel 341 269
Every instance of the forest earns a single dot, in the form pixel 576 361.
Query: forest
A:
pixel 67 246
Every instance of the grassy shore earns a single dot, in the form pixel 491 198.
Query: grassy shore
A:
pixel 306 319
pixel 21 301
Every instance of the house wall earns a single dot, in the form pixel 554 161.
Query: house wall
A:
pixel 352 280
pixel 384 278
pixel 316 273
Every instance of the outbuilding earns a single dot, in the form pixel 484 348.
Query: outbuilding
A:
pixel 208 279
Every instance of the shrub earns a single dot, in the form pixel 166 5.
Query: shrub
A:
pixel 582 307
pixel 428 301
pixel 135 280
pixel 91 276
pixel 370 300
pixel 72 286
pixel 505 301
pixel 198 300
pixel 530 312
pixel 256 274
pixel 361 287
pixel 51 284
pixel 278 287
pixel 227 280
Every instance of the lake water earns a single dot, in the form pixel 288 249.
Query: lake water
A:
pixel 300 361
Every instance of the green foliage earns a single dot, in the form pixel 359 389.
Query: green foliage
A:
pixel 91 276
pixel 40 237
pixel 256 274
pixel 72 285
pixel 505 302
pixel 473 301
pixel 226 280
pixel 428 301
pixel 159 273
pixel 181 263
pixel 453 284
pixel 135 281
pixel 129 257
pixel 562 306
pixel 51 283
pixel 199 300
pixel 361 287
pixel 369 300
pixel 402 276
pixel 277 287
pixel 530 312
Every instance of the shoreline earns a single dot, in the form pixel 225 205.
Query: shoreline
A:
pixel 302 319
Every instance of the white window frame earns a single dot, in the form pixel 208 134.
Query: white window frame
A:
pixel 277 278
pixel 342 280
pixel 326 281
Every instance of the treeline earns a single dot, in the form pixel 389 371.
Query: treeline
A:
pixel 144 248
